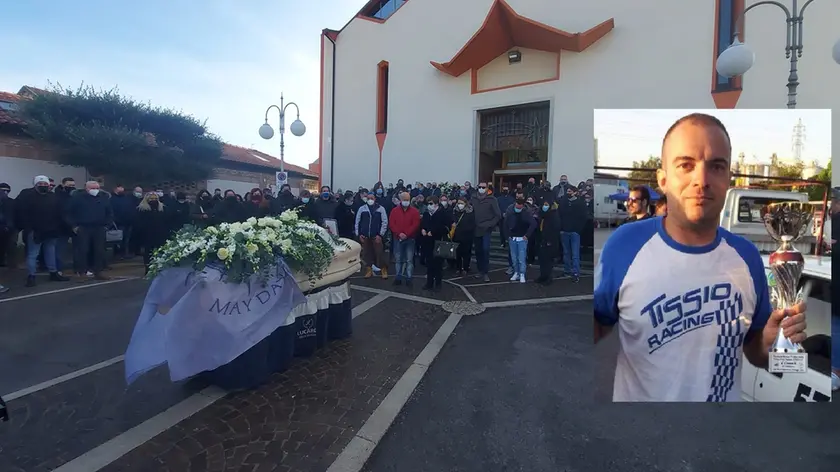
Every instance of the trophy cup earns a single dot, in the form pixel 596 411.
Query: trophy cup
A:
pixel 786 222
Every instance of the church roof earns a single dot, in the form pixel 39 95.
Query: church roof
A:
pixel 504 29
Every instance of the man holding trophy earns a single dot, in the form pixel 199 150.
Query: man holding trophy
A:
pixel 688 297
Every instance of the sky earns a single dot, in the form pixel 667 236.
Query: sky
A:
pixel 223 61
pixel 625 136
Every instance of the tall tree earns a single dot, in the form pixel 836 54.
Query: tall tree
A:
pixel 110 134
pixel 644 172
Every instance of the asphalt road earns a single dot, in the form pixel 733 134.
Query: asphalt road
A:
pixel 529 404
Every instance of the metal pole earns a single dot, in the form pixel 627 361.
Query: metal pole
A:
pixel 282 128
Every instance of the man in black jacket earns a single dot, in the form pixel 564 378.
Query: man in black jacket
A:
pixel 38 212
pixel 572 220
pixel 89 214
pixel 549 227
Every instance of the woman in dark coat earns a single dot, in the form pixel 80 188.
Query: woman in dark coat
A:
pixel 549 226
pixel 229 210
pixel 153 226
pixel 463 224
pixel 345 216
pixel 434 226
pixel 257 205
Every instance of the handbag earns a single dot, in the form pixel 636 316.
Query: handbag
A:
pixel 445 249
pixel 114 235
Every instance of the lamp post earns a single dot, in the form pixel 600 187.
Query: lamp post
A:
pixel 737 59
pixel 297 128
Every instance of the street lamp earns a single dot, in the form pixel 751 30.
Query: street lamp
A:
pixel 738 58
pixel 297 128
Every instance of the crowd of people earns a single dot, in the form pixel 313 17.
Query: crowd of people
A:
pixel 398 223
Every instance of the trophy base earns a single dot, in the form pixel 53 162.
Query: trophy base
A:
pixel 788 362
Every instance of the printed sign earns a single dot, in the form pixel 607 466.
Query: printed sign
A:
pixel 282 178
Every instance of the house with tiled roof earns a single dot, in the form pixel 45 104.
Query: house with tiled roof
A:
pixel 21 158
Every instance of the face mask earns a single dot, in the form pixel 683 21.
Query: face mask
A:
pixel 286 191
pixel 530 202
pixel 255 196
pixel 405 203
pixel 482 190
pixel 305 199
pixel 4 193
pixel 530 182
pixel 231 197
pixel 379 191
pixel 93 192
pixel 545 207
pixel 564 182
pixel 463 192
pixel 461 206
pixel 140 195
pixel 159 194
pixel 371 202
pixel 42 189
pixel 444 203
pixel 69 188
pixel 517 210
pixel 325 195
pixel 182 201
pixel 153 203
pixel 432 208
pixel 348 202
pixel 218 194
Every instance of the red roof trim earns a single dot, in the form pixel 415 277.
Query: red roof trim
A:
pixel 504 29
pixel 247 156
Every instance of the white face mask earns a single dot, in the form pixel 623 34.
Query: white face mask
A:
pixel 461 206
pixel 371 202
pixel 482 190
pixel 444 204
pixel 432 208
pixel 138 194
pixel 93 192
pixel 405 203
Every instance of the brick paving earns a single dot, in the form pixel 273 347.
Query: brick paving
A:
pixel 303 418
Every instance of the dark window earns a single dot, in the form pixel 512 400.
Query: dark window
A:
pixel 382 9
pixel 727 15
pixel 749 208
pixel 382 98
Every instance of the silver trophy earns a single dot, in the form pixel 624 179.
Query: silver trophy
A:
pixel 786 222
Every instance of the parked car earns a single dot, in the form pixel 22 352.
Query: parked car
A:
pixel 815 385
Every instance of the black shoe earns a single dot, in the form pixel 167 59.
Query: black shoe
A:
pixel 540 280
pixel 427 287
pixel 408 283
pixel 30 281
pixel 438 286
pixel 56 277
pixel 575 278
pixel 397 282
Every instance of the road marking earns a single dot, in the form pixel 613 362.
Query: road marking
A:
pixel 368 304
pixel 106 453
pixel 404 296
pixel 67 289
pixel 463 289
pixel 538 301
pixel 358 451
pixel 64 378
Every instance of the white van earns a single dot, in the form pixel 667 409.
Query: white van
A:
pixel 742 216
pixel 815 385
pixel 608 212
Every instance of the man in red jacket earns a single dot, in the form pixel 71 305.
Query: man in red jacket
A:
pixel 404 222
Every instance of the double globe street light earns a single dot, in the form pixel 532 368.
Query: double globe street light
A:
pixel 738 58
pixel 297 127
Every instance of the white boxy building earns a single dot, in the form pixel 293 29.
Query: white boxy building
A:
pixel 443 90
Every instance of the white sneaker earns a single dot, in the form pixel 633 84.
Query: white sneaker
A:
pixel 89 274
pixel 522 278
pixel 515 277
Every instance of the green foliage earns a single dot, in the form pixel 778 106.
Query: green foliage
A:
pixel 818 192
pixel 114 135
pixel 646 176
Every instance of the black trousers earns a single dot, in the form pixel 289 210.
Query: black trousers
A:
pixel 463 255
pixel 546 257
pixel 89 240
pixel 533 246
pixel 8 244
pixel 434 265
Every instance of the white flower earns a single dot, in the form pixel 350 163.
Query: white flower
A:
pixel 251 221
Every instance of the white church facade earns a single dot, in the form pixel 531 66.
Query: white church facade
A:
pixel 502 90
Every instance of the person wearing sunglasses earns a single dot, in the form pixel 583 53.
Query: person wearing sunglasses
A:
pixel 637 204
pixel 487 216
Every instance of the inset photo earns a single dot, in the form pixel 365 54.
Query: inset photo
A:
pixel 712 270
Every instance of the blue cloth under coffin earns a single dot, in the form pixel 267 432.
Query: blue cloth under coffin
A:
pixel 195 322
pixel 326 314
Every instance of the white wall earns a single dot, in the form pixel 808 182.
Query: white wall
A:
pixel 18 173
pixel 658 56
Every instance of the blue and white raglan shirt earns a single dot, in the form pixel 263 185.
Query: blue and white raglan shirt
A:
pixel 683 312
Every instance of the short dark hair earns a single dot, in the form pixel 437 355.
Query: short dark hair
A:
pixel 520 201
pixel 697 119
pixel 67 179
pixel 663 200
pixel 432 200
pixel 642 190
